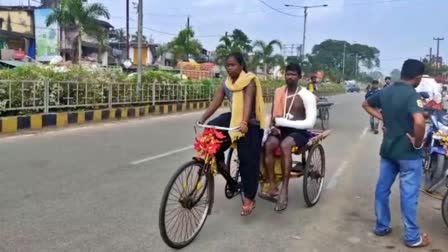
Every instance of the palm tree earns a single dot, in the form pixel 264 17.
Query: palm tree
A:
pixel 184 45
pixel 118 35
pixel 236 42
pixel 266 53
pixel 74 13
pixel 134 38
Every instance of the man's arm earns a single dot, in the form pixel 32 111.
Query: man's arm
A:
pixel 415 109
pixel 371 104
pixel 215 104
pixel 309 101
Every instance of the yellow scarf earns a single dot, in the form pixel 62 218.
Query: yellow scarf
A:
pixel 238 101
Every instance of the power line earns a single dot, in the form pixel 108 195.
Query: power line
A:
pixel 277 10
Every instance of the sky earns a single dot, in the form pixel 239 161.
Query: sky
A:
pixel 400 29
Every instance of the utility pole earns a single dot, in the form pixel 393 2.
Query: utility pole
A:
pixel 188 39
pixel 305 11
pixel 430 56
pixel 356 65
pixel 438 63
pixel 127 29
pixel 140 36
pixel 343 64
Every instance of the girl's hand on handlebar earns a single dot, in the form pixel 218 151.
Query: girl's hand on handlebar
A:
pixel 243 127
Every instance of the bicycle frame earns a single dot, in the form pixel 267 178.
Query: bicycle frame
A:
pixel 210 160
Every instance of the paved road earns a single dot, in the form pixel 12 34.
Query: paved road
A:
pixel 98 189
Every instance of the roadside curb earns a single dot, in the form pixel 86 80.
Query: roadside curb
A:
pixel 14 124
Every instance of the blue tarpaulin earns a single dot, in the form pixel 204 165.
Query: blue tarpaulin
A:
pixel 32 49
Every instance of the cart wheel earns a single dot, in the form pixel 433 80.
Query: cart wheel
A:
pixel 186 203
pixel 313 179
pixel 325 118
pixel 234 167
pixel 445 208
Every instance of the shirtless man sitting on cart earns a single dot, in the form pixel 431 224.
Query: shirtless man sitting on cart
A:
pixel 294 111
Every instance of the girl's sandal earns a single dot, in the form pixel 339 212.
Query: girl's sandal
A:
pixel 247 208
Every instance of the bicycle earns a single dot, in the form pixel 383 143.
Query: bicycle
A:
pixel 196 196
pixel 323 106
pixel 201 170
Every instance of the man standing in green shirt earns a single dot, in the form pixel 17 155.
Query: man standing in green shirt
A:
pixel 401 151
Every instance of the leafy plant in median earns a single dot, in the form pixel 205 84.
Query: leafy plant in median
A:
pixel 79 86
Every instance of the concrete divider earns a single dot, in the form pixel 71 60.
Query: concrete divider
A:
pixel 13 124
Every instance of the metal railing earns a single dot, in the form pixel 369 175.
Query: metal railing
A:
pixel 44 95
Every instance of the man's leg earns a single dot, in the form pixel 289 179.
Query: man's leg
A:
pixel 269 161
pixel 410 182
pixel 388 173
pixel 372 123
pixel 285 146
pixel 375 125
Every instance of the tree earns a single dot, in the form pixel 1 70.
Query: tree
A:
pixel 134 38
pixel 266 51
pixel 328 56
pixel 238 41
pixel 376 75
pixel 74 13
pixel 395 75
pixel 118 35
pixel 185 44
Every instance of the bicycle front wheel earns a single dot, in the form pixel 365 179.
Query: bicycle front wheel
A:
pixel 445 208
pixel 185 205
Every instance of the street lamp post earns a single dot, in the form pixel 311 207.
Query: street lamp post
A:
pixel 305 12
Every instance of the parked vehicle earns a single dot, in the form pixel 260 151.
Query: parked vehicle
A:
pixel 353 88
pixel 436 150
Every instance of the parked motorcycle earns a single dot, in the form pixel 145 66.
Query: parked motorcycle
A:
pixel 445 208
pixel 436 167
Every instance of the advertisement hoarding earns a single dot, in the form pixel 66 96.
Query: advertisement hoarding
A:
pixel 46 37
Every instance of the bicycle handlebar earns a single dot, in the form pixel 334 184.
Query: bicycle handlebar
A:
pixel 216 127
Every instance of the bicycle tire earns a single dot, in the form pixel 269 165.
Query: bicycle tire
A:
pixel 325 118
pixel 445 209
pixel 209 187
pixel 309 198
pixel 432 172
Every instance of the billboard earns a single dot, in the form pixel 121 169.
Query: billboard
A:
pixel 46 37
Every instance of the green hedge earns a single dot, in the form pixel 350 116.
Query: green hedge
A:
pixel 168 88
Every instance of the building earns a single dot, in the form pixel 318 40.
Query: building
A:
pixel 92 49
pixel 148 53
pixel 17 32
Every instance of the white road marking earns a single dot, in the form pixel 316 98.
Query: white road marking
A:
pixel 334 180
pixel 169 153
pixel 364 132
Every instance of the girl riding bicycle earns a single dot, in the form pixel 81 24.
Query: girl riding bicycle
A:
pixel 243 90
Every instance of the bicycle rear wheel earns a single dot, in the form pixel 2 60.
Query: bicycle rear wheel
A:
pixel 186 203
pixel 313 179
pixel 324 118
pixel 445 208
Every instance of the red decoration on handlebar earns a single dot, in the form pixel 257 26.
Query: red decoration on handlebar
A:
pixel 208 142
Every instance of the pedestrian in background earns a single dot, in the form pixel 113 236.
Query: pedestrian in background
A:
pixel 387 81
pixel 374 89
pixel 401 151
